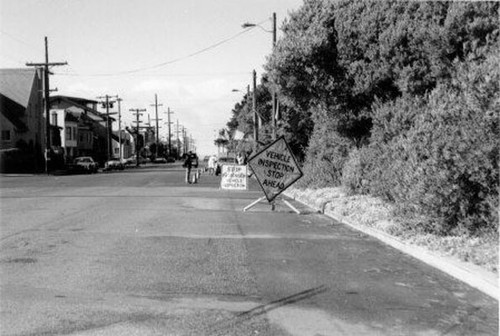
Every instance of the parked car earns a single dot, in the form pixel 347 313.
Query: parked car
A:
pixel 85 163
pixel 130 161
pixel 160 160
pixel 170 159
pixel 133 160
pixel 226 160
pixel 114 164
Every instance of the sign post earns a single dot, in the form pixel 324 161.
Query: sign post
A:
pixel 276 169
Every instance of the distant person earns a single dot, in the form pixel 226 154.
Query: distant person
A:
pixel 188 165
pixel 240 159
pixel 212 164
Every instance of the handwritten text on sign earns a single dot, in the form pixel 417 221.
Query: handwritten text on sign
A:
pixel 275 168
pixel 234 177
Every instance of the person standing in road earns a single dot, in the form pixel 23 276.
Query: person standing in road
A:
pixel 188 165
pixel 240 159
pixel 212 164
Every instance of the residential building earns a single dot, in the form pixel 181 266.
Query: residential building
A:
pixel 127 144
pixel 67 123
pixel 91 137
pixel 22 121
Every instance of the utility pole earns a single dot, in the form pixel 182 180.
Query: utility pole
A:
pixel 178 144
pixel 46 86
pixel 157 127
pixel 120 129
pixel 137 114
pixel 273 94
pixel 184 145
pixel 148 130
pixel 107 104
pixel 169 132
pixel 254 107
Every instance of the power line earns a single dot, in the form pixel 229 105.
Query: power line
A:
pixel 157 74
pixel 33 47
pixel 175 60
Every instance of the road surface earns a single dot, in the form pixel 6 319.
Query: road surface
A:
pixel 138 252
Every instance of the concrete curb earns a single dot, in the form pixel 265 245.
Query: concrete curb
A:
pixel 474 276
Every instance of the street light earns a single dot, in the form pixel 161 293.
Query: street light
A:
pixel 274 102
pixel 273 31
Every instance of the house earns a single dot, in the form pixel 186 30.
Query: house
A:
pixel 22 121
pixel 85 130
pixel 127 144
pixel 67 123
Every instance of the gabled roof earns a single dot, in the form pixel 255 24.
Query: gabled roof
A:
pixel 16 84
pixel 79 103
pixel 13 111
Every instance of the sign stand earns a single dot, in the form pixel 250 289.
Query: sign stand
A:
pixel 254 203
pixel 273 204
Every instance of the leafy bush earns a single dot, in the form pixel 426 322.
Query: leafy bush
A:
pixel 354 172
pixel 438 160
pixel 326 156
pixel 420 80
pixel 455 145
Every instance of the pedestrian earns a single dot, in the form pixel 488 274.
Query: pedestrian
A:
pixel 188 164
pixel 212 162
pixel 240 159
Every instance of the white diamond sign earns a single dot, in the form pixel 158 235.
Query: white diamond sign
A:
pixel 275 168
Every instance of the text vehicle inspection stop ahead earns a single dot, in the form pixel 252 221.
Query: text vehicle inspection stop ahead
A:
pixel 275 168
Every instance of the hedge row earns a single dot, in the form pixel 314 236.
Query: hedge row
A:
pixel 437 158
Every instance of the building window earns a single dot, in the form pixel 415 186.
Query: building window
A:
pixel 54 118
pixel 68 133
pixel 6 135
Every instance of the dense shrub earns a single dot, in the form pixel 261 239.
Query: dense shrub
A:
pixel 354 173
pixel 438 158
pixel 455 147
pixel 326 155
pixel 398 100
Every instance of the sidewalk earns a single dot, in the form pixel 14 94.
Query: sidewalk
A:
pixel 473 275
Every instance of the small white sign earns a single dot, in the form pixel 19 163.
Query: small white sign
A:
pixel 234 177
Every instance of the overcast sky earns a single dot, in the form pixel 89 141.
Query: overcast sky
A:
pixel 191 53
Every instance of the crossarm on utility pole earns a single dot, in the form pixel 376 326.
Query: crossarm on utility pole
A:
pixel 46 73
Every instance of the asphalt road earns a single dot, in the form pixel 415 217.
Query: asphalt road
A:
pixel 139 252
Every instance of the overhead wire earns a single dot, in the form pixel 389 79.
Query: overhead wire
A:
pixel 18 39
pixel 175 60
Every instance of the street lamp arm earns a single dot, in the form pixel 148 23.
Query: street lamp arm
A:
pixel 253 25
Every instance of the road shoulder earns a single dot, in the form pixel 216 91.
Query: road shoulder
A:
pixel 473 275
